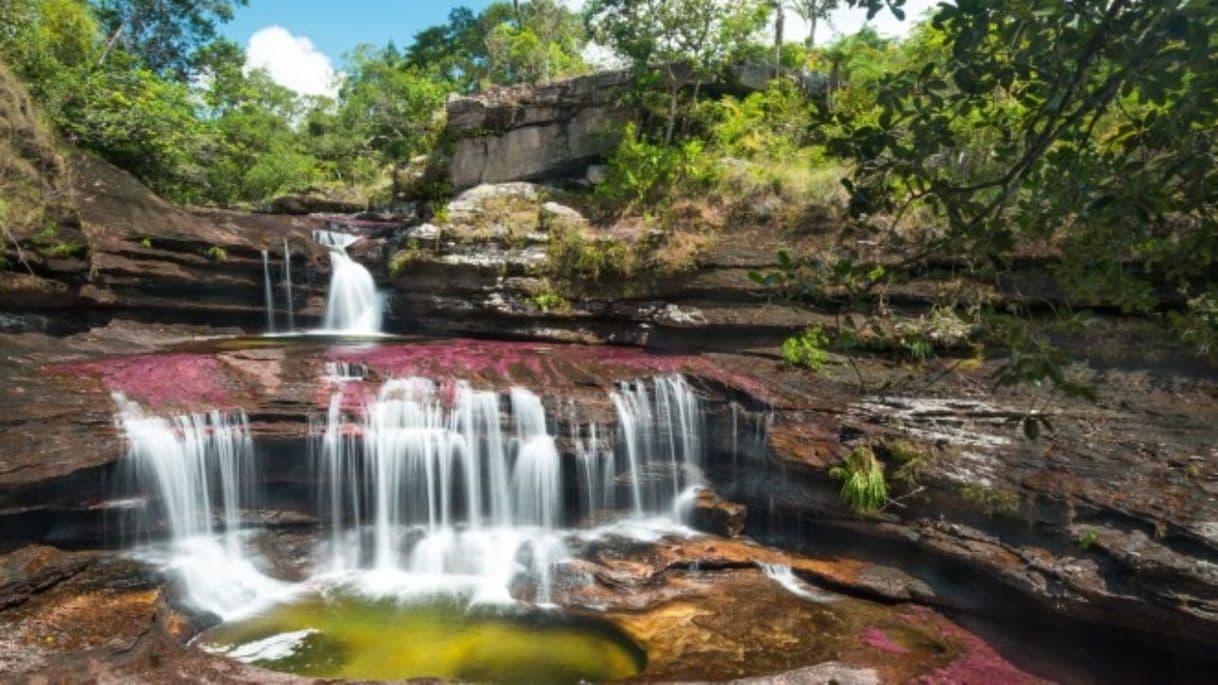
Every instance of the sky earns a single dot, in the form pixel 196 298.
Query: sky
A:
pixel 302 42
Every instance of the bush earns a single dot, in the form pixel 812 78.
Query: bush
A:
pixel 862 475
pixel 807 349
pixel 645 173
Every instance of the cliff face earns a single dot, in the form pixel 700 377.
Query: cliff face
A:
pixel 524 133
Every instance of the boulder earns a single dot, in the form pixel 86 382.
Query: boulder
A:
pixel 523 133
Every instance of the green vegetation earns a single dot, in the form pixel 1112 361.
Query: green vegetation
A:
pixel 991 501
pixel 550 301
pixel 149 86
pixel 404 257
pixel 216 254
pixel 1087 539
pixel 807 349
pixel 863 487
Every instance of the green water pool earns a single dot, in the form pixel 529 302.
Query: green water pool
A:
pixel 358 638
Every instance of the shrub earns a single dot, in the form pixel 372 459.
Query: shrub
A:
pixel 863 487
pixel 807 349
pixel 572 256
pixel 216 253
pixel 644 173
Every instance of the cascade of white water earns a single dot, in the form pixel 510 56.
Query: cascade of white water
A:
pixel 268 297
pixel 287 284
pixel 354 305
pixel 199 467
pixel 660 430
pixel 443 492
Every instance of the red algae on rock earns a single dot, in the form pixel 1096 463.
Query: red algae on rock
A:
pixel 874 637
pixel 534 364
pixel 181 381
pixel 978 663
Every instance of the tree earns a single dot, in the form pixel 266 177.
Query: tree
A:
pixel 813 12
pixel 162 33
pixel 686 41
pixel 1088 128
pixel 504 44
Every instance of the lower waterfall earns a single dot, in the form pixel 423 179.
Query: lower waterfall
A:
pixel 430 487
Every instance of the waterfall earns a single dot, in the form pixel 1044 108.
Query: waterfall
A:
pixel 199 468
pixel 267 295
pixel 354 305
pixel 661 432
pixel 430 487
pixel 435 488
pixel 287 284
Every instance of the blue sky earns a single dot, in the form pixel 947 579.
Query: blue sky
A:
pixel 336 27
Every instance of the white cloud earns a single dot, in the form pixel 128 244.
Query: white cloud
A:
pixel 292 61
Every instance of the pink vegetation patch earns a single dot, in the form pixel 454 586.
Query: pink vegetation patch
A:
pixel 186 381
pixel 874 637
pixel 978 664
pixel 533 364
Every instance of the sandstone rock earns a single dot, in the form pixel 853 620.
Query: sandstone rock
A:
pixel 311 203
pixel 525 133
pixel 712 514
pixel 596 174
pixel 553 212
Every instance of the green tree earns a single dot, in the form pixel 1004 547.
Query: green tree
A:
pixel 813 12
pixel 685 42
pixel 1120 97
pixel 163 33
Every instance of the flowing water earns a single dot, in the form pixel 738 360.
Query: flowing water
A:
pixel 431 491
pixel 267 296
pixel 287 285
pixel 354 305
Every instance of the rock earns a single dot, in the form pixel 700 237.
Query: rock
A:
pixel 523 133
pixel 33 569
pixel 312 203
pixel 712 514
pixel 596 174
pixel 828 673
pixel 553 213
pixel 424 232
pixel 422 178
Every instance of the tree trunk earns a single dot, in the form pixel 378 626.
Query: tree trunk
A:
pixel 779 19
pixel 110 45
pixel 810 41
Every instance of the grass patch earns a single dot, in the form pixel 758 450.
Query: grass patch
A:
pixel 864 489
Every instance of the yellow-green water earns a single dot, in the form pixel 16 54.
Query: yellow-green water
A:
pixel 363 639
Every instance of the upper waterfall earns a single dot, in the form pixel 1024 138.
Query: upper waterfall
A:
pixel 354 305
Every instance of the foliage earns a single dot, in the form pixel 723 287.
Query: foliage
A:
pixel 807 349
pixel 163 34
pixel 863 487
pixel 573 257
pixel 1087 538
pixel 1120 96
pixel 216 254
pixel 550 301
pixel 674 44
pixel 813 12
pixel 1198 325
pixel 544 40
pixel 643 173
pixel 774 123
